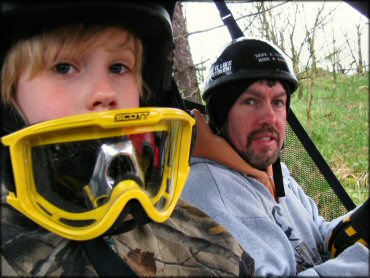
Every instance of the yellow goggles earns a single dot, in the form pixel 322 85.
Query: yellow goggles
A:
pixel 74 176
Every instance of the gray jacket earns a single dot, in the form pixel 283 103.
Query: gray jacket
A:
pixel 285 237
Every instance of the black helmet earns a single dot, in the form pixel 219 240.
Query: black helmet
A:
pixel 150 20
pixel 240 64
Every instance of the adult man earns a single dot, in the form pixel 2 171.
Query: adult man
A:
pixel 83 168
pixel 237 178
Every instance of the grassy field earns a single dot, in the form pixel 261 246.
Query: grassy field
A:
pixel 339 128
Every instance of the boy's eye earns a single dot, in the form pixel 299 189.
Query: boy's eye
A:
pixel 118 68
pixel 64 68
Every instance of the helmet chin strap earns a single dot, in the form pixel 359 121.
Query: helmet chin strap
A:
pixel 278 178
pixel 11 120
pixel 6 170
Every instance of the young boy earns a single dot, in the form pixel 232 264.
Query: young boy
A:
pixel 98 57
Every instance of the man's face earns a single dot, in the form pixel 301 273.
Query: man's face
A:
pixel 256 123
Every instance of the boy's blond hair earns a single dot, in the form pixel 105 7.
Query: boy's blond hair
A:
pixel 43 50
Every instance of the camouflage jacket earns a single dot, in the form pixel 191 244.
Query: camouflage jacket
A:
pixel 189 244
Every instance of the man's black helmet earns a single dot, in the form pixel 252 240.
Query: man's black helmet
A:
pixel 240 63
pixel 150 20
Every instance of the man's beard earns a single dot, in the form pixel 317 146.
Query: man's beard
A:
pixel 260 160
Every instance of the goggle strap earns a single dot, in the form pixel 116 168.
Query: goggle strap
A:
pixel 139 217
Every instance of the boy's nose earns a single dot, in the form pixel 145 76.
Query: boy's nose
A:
pixel 103 95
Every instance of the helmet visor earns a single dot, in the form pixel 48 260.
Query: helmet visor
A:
pixel 79 172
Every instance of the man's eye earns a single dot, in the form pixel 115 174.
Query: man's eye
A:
pixel 280 103
pixel 249 101
pixel 64 68
pixel 118 68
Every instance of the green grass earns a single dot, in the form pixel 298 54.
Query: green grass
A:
pixel 339 128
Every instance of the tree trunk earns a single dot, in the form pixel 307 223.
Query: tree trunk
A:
pixel 185 72
pixel 360 68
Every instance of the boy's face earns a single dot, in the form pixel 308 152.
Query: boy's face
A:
pixel 256 123
pixel 100 78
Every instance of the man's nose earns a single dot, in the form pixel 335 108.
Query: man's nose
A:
pixel 103 95
pixel 267 115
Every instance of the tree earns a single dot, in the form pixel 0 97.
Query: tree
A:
pixel 360 65
pixel 185 71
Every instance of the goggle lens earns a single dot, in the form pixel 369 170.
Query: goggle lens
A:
pixel 80 176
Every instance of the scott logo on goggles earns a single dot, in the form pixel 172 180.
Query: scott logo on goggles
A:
pixel 131 116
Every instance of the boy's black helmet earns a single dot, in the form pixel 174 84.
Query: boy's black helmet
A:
pixel 150 20
pixel 240 63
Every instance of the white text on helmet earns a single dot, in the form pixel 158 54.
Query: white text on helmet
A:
pixel 266 57
pixel 221 68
